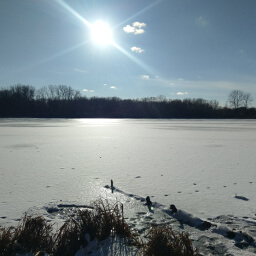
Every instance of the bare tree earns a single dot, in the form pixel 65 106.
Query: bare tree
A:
pixel 214 104
pixel 42 93
pixel 247 99
pixel 238 98
pixel 57 92
pixel 161 98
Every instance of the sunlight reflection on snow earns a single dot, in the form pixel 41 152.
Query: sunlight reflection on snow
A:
pixel 98 121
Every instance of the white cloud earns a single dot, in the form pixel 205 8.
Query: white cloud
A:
pixel 112 87
pixel 180 79
pixel 145 77
pixel 86 90
pixel 136 28
pixel 182 93
pixel 137 49
pixel 139 31
pixel 139 24
pixel 201 21
pixel 129 29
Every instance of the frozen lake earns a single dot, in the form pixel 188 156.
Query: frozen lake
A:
pixel 198 165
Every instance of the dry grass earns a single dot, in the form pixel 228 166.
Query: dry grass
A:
pixel 7 246
pixel 100 223
pixel 163 241
pixel 34 234
pixel 109 220
pixel 69 239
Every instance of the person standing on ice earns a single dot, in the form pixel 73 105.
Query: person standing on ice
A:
pixel 148 201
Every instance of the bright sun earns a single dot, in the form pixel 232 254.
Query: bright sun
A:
pixel 101 33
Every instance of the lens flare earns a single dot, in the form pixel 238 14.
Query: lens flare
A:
pixel 101 33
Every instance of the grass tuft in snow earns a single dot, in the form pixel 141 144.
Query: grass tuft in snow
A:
pixel 109 220
pixel 7 246
pixel 162 240
pixel 69 239
pixel 104 221
pixel 34 234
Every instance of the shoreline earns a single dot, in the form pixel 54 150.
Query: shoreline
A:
pixel 220 234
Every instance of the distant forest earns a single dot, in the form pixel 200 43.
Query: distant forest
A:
pixel 61 101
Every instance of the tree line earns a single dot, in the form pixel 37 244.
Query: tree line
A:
pixel 61 101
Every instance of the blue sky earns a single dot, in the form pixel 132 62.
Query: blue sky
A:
pixel 176 48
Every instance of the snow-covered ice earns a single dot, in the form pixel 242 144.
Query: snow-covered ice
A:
pixel 205 167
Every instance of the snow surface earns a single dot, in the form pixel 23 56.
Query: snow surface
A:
pixel 205 167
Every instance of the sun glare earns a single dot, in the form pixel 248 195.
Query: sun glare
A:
pixel 101 33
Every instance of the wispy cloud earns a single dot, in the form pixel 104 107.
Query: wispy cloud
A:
pixel 137 49
pixel 201 21
pixel 137 28
pixel 199 84
pixel 110 87
pixel 86 90
pixel 182 93
pixel 80 70
pixel 242 52
pixel 145 77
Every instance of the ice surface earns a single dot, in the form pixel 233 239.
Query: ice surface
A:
pixel 205 167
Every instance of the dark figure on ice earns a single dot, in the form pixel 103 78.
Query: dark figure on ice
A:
pixel 112 186
pixel 148 202
pixel 173 208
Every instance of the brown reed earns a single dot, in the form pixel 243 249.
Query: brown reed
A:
pixel 162 241
pixel 35 235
